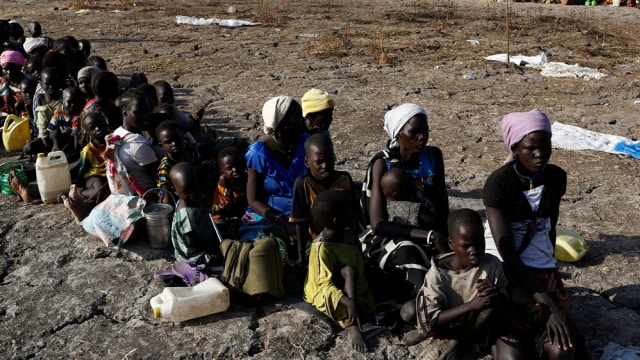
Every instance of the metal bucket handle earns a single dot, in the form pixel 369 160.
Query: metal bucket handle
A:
pixel 159 189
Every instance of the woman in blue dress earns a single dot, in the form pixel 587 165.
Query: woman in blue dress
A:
pixel 273 164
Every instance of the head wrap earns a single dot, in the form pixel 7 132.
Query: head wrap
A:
pixel 316 100
pixel 32 43
pixel 515 126
pixel 394 120
pixel 88 71
pixel 273 111
pixel 10 56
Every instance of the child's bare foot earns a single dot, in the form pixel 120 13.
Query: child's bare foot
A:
pixel 451 351
pixel 19 187
pixel 356 339
pixel 414 337
pixel 76 211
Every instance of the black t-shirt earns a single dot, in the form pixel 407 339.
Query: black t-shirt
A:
pixel 503 190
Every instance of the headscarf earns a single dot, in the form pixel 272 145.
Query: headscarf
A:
pixel 273 111
pixel 32 43
pixel 394 120
pixel 10 56
pixel 88 71
pixel 515 126
pixel 316 100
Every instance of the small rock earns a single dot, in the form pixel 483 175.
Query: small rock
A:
pixel 613 122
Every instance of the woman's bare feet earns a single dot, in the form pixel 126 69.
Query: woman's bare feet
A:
pixel 19 187
pixel 414 337
pixel 355 338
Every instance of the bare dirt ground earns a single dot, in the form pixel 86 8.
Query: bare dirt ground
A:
pixel 65 295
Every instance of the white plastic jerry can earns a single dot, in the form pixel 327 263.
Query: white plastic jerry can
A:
pixel 180 304
pixel 52 173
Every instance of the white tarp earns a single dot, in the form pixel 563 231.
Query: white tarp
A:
pixel 230 23
pixel 569 137
pixel 549 69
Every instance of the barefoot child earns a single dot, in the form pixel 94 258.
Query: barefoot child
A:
pixel 320 176
pixel 335 283
pixel 462 290
pixel 230 197
pixel 92 173
pixel 192 232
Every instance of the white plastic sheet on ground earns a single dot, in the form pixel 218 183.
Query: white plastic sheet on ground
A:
pixel 550 69
pixel 519 59
pixel 559 69
pixel 230 23
pixel 569 137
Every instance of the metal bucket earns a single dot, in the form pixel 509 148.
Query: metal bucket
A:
pixel 158 219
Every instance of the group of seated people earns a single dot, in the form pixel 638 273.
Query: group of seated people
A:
pixel 285 186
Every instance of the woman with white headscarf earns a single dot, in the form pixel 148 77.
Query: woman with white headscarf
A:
pixel 273 164
pixel 388 244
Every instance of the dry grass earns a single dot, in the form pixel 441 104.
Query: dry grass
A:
pixel 333 43
pixel 98 4
pixel 268 13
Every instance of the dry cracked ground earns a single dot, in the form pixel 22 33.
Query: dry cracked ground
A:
pixel 66 295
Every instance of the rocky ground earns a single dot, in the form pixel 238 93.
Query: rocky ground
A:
pixel 66 295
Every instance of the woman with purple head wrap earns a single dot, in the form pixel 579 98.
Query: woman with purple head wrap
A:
pixel 523 204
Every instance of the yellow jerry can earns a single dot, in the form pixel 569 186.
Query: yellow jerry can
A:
pixel 570 247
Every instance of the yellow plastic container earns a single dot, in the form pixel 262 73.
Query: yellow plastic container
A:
pixel 16 132
pixel 570 247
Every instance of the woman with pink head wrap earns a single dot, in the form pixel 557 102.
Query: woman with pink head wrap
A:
pixel 518 125
pixel 12 63
pixel 523 204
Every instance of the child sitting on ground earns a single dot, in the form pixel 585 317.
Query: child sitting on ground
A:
pixel 405 207
pixel 172 141
pixel 336 284
pixel 192 231
pixel 229 200
pixel 92 184
pixel 28 91
pixel 462 291
pixel 63 126
pixel 188 122
pixel 320 176
pixel 48 103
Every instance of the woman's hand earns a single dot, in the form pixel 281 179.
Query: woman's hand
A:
pixel 557 325
pixel 439 241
